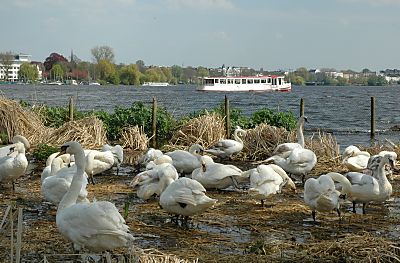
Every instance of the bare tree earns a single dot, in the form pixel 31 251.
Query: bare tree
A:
pixel 103 53
pixel 6 60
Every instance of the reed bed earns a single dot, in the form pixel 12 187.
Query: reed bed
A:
pixel 134 138
pixel 14 119
pixel 204 130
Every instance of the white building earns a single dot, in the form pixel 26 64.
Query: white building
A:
pixel 15 66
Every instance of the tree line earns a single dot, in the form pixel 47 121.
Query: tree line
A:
pixel 104 70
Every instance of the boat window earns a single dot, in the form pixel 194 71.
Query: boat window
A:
pixel 249 81
pixel 280 81
pixel 263 81
pixel 216 80
pixel 256 81
pixel 230 81
pixel 273 81
pixel 222 81
pixel 243 81
pixel 237 81
pixel 269 80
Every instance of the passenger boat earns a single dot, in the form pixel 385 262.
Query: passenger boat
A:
pixel 245 83
pixel 156 84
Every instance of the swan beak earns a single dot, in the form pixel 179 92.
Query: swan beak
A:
pixel 62 151
pixel 203 167
pixel 12 149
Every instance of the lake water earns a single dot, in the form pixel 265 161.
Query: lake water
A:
pixel 343 111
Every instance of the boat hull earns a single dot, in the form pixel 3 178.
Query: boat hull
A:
pixel 246 88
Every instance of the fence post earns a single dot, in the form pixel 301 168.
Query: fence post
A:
pixel 71 109
pixel 301 107
pixel 227 118
pixel 372 135
pixel 154 123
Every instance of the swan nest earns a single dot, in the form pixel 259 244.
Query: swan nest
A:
pixel 237 229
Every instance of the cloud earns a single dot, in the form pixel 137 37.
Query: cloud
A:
pixel 204 4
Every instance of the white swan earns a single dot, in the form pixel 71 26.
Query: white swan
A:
pixel 64 160
pixel 98 162
pixel 266 180
pixel 186 161
pixel 14 165
pixel 118 153
pixel 320 194
pixel 97 226
pixel 5 150
pixel 185 197
pixel 225 148
pixel 354 159
pixel 216 175
pixel 149 183
pixel 374 160
pixel 285 149
pixel 299 162
pixel 364 188
pixel 159 160
pixel 150 155
pixel 57 183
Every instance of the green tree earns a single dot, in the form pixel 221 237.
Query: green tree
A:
pixel 177 72
pixel 130 75
pixel 140 64
pixel 28 72
pixel 6 60
pixel 57 72
pixel 107 72
pixel 103 53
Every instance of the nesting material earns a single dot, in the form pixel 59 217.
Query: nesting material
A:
pixel 88 131
pixel 204 130
pixel 260 142
pixel 14 119
pixel 134 138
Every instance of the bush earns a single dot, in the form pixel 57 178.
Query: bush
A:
pixel 43 151
pixel 138 114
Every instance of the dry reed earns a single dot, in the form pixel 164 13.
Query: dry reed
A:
pixel 134 138
pixel 204 130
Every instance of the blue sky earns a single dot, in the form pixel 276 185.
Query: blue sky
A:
pixel 269 34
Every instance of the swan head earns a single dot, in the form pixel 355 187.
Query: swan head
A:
pixel 17 147
pixel 71 147
pixel 22 139
pixel 196 149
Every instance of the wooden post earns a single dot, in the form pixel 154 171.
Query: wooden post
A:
pixel 19 237
pixel 372 118
pixel 154 124
pixel 71 109
pixel 12 236
pixel 227 118
pixel 301 107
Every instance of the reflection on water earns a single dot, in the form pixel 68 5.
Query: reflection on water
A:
pixel 344 111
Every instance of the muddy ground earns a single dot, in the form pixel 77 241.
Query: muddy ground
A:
pixel 237 229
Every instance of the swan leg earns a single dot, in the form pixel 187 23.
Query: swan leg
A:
pixel 354 207
pixel 235 183
pixel 91 179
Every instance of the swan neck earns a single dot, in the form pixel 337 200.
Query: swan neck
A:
pixel 72 194
pixel 55 165
pixel 346 185
pixel 299 132
pixel 166 180
pixel 236 136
